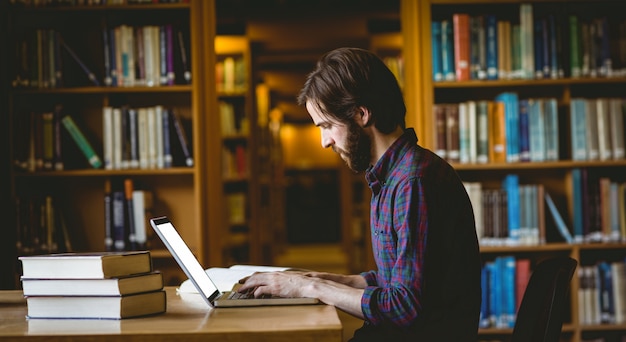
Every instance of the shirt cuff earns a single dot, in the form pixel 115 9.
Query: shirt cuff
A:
pixel 370 278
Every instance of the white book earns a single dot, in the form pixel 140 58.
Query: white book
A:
pixel 619 291
pixel 117 138
pixel 473 133
pixel 617 127
pixel 526 40
pixel 464 135
pixel 604 131
pixel 142 130
pixel 107 137
pixel 593 152
pixel 158 132
pixel 152 139
pixel 148 59
pixel 142 201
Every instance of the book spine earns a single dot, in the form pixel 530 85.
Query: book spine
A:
pixel 452 133
pixel 58 152
pixel 183 57
pixel 482 127
pixel 107 137
pixel 447 51
pixel 537 130
pixel 578 127
pixel 90 75
pixel 575 49
pixel 107 58
pixel 158 123
pixel 524 132
pixel 108 216
pixel 461 29
pixel 119 228
pixel 170 54
pixel 617 128
pixel 162 55
pixel 133 138
pixel 551 113
pixel 167 145
pixel 130 211
pixel 436 50
pixel 492 47
pixel 511 185
pixel 48 139
pixel 182 138
pixel 82 142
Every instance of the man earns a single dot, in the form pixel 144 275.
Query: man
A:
pixel 427 286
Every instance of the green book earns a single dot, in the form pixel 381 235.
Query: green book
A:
pixel 82 142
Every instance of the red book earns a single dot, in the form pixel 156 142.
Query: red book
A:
pixel 522 275
pixel 461 30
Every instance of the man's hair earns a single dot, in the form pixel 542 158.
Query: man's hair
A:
pixel 348 78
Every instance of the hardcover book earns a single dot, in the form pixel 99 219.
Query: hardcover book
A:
pixel 86 265
pixel 97 307
pixel 124 285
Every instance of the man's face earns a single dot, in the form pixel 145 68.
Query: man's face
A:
pixel 347 140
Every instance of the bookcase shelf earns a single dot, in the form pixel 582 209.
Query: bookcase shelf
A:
pixel 189 194
pixel 423 93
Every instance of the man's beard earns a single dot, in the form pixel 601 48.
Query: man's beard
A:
pixel 358 153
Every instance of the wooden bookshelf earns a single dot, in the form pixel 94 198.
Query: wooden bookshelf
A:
pixel 422 93
pixel 190 195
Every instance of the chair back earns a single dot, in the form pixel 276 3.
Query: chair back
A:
pixel 540 315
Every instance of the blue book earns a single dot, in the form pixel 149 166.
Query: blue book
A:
pixel 484 304
pixel 436 50
pixel 551 129
pixel 113 58
pixel 511 117
pixel 495 293
pixel 491 28
pixel 536 128
pixel 578 129
pixel 507 266
pixel 606 296
pixel 524 132
pixel 558 219
pixel 577 205
pixel 511 185
pixel 447 51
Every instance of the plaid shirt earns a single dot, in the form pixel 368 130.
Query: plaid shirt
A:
pixel 399 224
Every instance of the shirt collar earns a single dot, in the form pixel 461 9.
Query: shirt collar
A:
pixel 376 174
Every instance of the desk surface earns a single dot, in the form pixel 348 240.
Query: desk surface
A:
pixel 188 318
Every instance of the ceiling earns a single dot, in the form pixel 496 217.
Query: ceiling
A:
pixel 288 36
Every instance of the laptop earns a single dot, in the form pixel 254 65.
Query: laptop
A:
pixel 201 280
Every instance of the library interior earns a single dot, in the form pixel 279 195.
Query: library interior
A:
pixel 119 111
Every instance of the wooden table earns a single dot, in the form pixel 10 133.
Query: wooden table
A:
pixel 188 318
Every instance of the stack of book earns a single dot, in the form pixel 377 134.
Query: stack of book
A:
pixel 109 285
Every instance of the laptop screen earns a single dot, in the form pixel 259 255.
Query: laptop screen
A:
pixel 185 258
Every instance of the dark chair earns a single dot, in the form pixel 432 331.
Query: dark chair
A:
pixel 540 316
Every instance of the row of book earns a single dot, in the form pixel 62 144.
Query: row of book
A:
pixel 597 128
pixel 144 138
pixel 602 293
pixel 235 161
pixel 510 129
pixel 126 213
pixel 133 56
pixel 599 207
pixel 59 3
pixel 45 139
pixel 144 56
pixel 231 75
pixel 534 46
pixel 504 130
pixel 41 226
pixel 515 214
pixel 504 282
pixel 92 285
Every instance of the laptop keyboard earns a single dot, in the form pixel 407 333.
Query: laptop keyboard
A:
pixel 245 295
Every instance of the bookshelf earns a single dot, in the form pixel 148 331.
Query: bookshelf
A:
pixel 556 176
pixel 188 192
pixel 235 95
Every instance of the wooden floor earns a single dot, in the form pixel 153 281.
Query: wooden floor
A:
pixel 326 258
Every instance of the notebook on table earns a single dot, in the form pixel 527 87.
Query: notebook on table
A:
pixel 201 280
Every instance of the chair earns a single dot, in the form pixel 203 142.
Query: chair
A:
pixel 540 316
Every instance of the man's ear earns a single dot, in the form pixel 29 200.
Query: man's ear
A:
pixel 364 117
